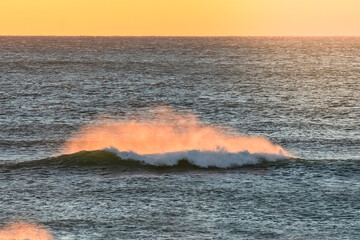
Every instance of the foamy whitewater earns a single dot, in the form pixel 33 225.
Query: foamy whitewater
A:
pixel 204 159
pixel 179 138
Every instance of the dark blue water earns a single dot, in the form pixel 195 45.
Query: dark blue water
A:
pixel 301 93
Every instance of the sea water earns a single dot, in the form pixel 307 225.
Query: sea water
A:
pixel 180 138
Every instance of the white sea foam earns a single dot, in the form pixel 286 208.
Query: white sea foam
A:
pixel 204 159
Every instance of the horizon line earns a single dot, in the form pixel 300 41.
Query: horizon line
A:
pixel 197 36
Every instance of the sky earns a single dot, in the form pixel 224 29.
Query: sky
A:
pixel 180 17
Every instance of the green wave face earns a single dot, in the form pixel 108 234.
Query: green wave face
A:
pixel 112 158
pixel 98 158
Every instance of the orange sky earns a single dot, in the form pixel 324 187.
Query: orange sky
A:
pixel 180 17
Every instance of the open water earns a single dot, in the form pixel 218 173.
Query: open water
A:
pixel 167 124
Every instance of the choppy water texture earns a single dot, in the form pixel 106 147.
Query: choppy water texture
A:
pixel 302 94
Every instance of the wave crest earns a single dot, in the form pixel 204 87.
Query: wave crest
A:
pixel 202 159
pixel 132 161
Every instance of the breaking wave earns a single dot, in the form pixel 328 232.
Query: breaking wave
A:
pixel 131 160
pixel 163 138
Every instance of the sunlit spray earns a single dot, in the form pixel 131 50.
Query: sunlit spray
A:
pixel 166 131
pixel 23 230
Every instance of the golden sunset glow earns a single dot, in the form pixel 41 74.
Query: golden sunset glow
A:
pixel 180 17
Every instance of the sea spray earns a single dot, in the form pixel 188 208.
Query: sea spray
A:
pixel 23 230
pixel 163 130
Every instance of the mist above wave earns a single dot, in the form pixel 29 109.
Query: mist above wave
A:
pixel 163 130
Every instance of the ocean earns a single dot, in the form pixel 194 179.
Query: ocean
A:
pixel 180 137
